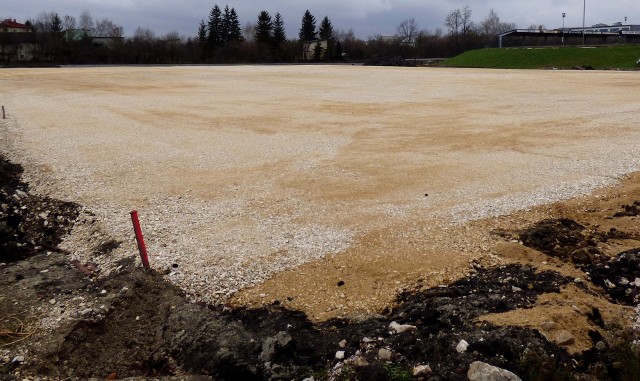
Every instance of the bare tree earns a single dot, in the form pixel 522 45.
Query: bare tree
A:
pixel 249 31
pixel 465 20
pixel 85 21
pixel 144 34
pixel 408 31
pixel 492 25
pixel 69 22
pixel 453 22
pixel 107 28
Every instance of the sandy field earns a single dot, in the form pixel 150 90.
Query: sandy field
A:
pixel 325 188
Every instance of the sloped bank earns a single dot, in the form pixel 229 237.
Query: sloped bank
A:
pixel 134 323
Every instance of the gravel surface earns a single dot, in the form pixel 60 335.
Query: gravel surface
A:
pixel 242 172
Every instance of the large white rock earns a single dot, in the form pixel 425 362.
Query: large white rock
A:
pixel 422 371
pixel 399 328
pixel 480 371
pixel 462 346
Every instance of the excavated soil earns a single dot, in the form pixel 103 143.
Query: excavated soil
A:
pixel 136 324
pixel 288 232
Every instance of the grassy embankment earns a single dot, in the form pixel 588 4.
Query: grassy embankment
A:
pixel 606 57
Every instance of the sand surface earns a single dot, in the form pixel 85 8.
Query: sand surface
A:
pixel 266 183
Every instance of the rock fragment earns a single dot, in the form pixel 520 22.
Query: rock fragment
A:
pixel 462 346
pixel 480 371
pixel 565 338
pixel 548 325
pixel 384 354
pixel 394 327
pixel 422 371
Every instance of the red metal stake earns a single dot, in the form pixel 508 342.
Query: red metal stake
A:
pixel 141 247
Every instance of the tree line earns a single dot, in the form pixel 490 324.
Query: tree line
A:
pixel 221 39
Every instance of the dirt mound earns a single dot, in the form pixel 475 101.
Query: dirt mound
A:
pixel 562 238
pixel 619 277
pixel 632 210
pixel 29 224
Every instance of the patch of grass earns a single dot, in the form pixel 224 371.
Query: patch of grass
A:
pixel 397 372
pixel 605 57
pixel 347 373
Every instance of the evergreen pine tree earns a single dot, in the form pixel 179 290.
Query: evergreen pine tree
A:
pixel 225 25
pixel 264 28
pixel 202 39
pixel 318 51
pixel 214 36
pixel 308 28
pixel 279 36
pixel 202 33
pixel 326 33
pixel 326 29
pixel 235 32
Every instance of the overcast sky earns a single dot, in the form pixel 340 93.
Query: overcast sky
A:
pixel 365 17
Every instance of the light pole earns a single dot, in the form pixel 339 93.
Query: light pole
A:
pixel 584 12
pixel 563 16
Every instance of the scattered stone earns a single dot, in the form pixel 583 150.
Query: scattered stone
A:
pixel 565 338
pixel 480 371
pixel 270 344
pixel 18 360
pixel 548 325
pixel 384 354
pixel 359 362
pixel 394 327
pixel 608 283
pixel 340 355
pixel 422 371
pixel 462 346
pixel 342 343
pixel 52 301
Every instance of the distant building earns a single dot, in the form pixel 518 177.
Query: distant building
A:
pixel 602 33
pixel 11 26
pixel 604 28
pixel 309 49
pixel 17 42
pixel 76 34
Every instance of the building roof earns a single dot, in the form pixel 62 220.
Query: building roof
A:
pixel 9 23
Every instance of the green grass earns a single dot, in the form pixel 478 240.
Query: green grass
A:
pixel 606 57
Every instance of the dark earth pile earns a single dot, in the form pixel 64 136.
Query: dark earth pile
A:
pixel 145 326
pixel 29 223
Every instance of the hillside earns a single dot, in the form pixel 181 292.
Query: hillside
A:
pixel 609 57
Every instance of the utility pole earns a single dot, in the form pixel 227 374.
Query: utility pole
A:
pixel 563 16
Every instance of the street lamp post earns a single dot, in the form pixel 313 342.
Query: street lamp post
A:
pixel 563 16
pixel 584 11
